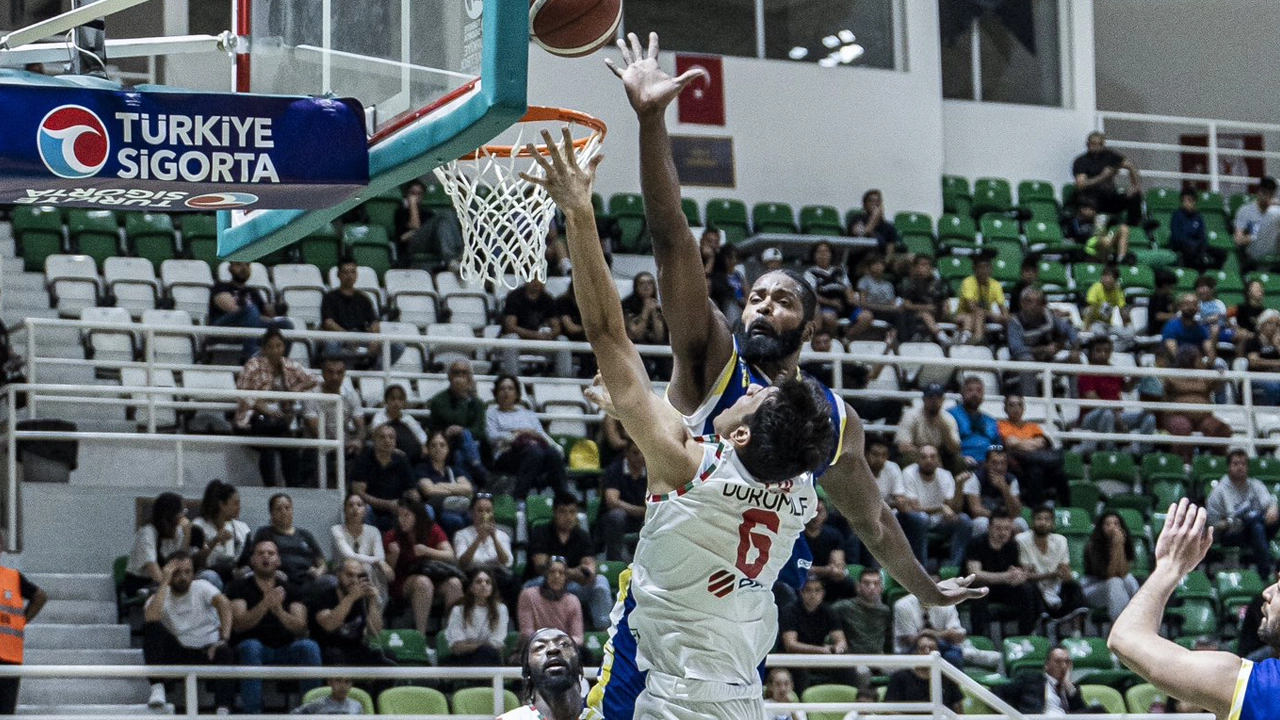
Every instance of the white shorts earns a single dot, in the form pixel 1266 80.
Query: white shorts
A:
pixel 671 698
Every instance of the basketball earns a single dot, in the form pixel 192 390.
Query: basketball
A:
pixel 574 28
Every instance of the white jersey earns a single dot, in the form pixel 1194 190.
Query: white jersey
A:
pixel 699 602
pixel 529 712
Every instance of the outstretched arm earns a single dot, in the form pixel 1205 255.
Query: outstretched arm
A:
pixel 1206 679
pixel 700 337
pixel 652 423
pixel 851 486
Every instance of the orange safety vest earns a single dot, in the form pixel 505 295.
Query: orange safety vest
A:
pixel 13 621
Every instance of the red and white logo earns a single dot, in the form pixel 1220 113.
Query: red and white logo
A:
pixel 73 142
pixel 721 583
pixel 221 201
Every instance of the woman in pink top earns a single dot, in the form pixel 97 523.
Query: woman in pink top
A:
pixel 550 605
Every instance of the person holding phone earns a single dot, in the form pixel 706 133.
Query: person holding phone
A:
pixel 344 617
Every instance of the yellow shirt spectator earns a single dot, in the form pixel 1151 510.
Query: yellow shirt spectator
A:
pixel 971 296
pixel 1102 302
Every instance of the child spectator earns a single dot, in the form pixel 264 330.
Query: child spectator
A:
pixel 981 301
pixel 1104 298
pixel 1187 235
pixel 1028 276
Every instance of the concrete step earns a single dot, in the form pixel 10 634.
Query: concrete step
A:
pixel 67 710
pixel 68 586
pixel 74 691
pixel 86 656
pixel 42 635
pixel 16 281
pixel 78 612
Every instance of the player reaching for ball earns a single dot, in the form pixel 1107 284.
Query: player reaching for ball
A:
pixel 699 613
pixel 714 367
pixel 1220 682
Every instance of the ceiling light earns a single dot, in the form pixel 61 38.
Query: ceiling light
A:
pixel 798 53
pixel 847 36
pixel 831 41
pixel 827 62
pixel 849 53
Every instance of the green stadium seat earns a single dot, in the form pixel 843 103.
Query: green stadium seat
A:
pixel 730 217
pixel 773 217
pixel 1270 281
pixel 956 197
pixel 205 249
pixel 504 510
pixel 597 204
pixel 198 226
pixel 1073 521
pixel 1161 466
pixel 322 248
pixel 1108 697
pixel 954 268
pixel 893 590
pixel 1211 203
pixel 1006 268
pixel 1265 468
pixel 435 196
pixel 1024 651
pixel 407 647
pixel 823 220
pixel 1237 587
pixel 443 651
pixel 1195 586
pixel 996 227
pixel 611 571
pixel 411 700
pixel 538 510
pixel 691 212
pixel 1088 653
pixel 628 210
pixel 1186 279
pixel 913 223
pixel 1085 495
pixel 1112 466
pixel 1141 697
pixel 1219 240
pixel 1131 501
pixel 919 244
pixel 1053 277
pixel 1228 281
pixel 1235 201
pixel 37 230
pixel 1041 211
pixel 958 233
pixel 360 696
pixel 1045 236
pixel 1196 617
pixel 1075 551
pixel 479 701
pixel 955 185
pixel 1208 467
pixel 1073 465
pixel 94 233
pixel 1161 202
pixel 1141 565
pixel 1085 275
pixel 151 236
pixel 1166 492
pixel 1133 520
pixel 992 195
pixel 1137 280
pixel 829 694
pixel 382 208
pixel 1068 194
pixel 1035 190
pixel 1217 224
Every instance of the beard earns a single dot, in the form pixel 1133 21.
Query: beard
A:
pixel 555 684
pixel 771 347
pixel 1269 632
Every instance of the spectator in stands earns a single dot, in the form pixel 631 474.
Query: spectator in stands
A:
pixel 563 537
pixel 1246 314
pixel 726 284
pixel 876 292
pixel 530 313
pixel 1095 174
pixel 1110 418
pixel 870 222
pixel 218 536
pixel 549 604
pixel 294 549
pixel 1104 299
pixel 912 684
pixel 1109 244
pixel 626 483
pixel 928 425
pixel 421 232
pixel 188 622
pixel 780 688
pixel 1243 512
pixel 1083 224
pixel 347 615
pixel 810 628
pixel 1046 558
pixel 1263 352
pixel 1037 462
pixel 929 489
pixel 1255 223
pixel 168 532
pixel 1192 391
pixel 1036 334
pixel 1028 276
pixel 1160 306
pixel 333 374
pixel 460 413
pixel 477 627
pixel 982 301
pixel 337 702
pixel 709 247
pixel 612 439
pixel 353 539
pixel 381 476
pixel 992 490
pixel 571 325
pixel 1050 692
pixel 645 322
pixel 822 370
pixel 520 444
pixel 889 480
pixel 993 561
pixel 1108 583
pixel 835 293
pixel 866 621
pixel 1187 235
pixel 923 295
pixel 410 437
pixel 484 545
pixel 827 544
pixel 442 485
pixel 1212 313
pixel 978 431
pixel 423 560
pixel 770 260
pixel 1185 328
pixel 346 309
pixel 234 304
pixel 270 623
pixel 272 371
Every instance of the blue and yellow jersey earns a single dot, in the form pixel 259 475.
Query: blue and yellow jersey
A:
pixel 1257 695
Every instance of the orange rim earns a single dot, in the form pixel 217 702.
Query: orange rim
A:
pixel 545 114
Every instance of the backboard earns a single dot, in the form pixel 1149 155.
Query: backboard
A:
pixel 437 79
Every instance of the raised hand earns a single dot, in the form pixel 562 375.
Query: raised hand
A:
pixel 957 590
pixel 597 393
pixel 649 88
pixel 1185 539
pixel 568 183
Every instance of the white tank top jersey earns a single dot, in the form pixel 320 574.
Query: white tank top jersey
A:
pixel 701 583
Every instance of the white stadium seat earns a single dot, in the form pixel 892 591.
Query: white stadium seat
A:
pixel 165 417
pixel 414 357
pixel 188 283
pixel 73 283
pixel 412 293
pixel 108 345
pixel 918 374
pixel 175 348
pixel 302 288
pixel 133 283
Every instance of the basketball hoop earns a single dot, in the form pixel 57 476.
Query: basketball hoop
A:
pixel 505 220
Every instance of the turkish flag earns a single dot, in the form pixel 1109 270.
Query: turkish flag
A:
pixel 702 101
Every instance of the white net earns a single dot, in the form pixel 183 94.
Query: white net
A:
pixel 505 220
